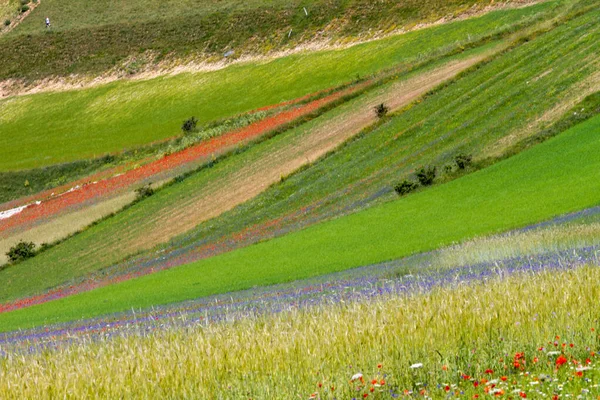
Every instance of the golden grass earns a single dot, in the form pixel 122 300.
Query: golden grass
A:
pixel 286 355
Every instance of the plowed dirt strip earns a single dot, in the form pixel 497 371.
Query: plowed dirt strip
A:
pixel 202 151
pixel 234 188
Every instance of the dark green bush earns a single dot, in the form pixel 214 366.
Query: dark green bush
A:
pixel 463 160
pixel 21 251
pixel 6 22
pixel 381 110
pixel 189 125
pixel 426 175
pixel 143 192
pixel 405 187
pixel 24 8
pixel 108 159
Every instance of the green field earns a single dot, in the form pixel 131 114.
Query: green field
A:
pixel 53 128
pixel 556 177
pixel 91 38
pixel 359 170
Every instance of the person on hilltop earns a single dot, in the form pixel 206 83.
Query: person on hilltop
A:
pixel 47 22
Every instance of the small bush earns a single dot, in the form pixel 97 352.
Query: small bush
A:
pixel 6 22
pixel 143 192
pixel 448 169
pixel 107 159
pixel 463 160
pixel 426 175
pixel 405 187
pixel 23 2
pixel 381 110
pixel 24 8
pixel 21 251
pixel 189 125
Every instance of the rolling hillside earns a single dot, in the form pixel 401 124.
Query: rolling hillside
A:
pixel 362 173
pixel 374 199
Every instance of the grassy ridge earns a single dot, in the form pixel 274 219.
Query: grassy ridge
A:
pixel 93 37
pixel 430 132
pixel 88 123
pixel 555 177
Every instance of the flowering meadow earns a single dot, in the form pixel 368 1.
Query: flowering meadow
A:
pixel 527 335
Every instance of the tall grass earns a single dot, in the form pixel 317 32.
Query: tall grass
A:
pixel 454 332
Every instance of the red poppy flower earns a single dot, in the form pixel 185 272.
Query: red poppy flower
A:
pixel 561 360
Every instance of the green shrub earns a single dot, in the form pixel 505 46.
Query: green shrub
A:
pixel 426 175
pixel 24 8
pixel 21 251
pixel 6 22
pixel 108 159
pixel 448 168
pixel 23 2
pixel 189 125
pixel 143 192
pixel 405 187
pixel 381 110
pixel 463 160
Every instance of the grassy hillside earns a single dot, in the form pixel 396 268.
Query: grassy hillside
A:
pixel 53 128
pixel 555 177
pixel 93 37
pixel 360 174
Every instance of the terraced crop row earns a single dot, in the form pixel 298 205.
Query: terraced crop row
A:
pixel 556 177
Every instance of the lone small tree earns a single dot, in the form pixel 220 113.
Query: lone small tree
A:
pixel 143 192
pixel 189 125
pixel 381 110
pixel 426 175
pixel 21 251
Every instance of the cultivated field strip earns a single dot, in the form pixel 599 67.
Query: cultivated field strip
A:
pixel 556 177
pixel 183 206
